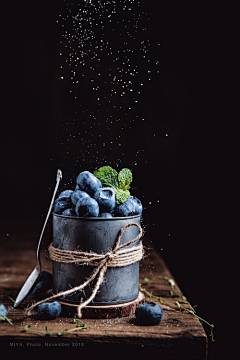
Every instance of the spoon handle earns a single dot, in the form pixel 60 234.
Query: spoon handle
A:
pixel 27 286
pixel 58 179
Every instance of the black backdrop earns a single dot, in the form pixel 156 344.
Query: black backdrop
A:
pixel 180 167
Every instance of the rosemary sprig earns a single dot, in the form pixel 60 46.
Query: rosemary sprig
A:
pixel 185 301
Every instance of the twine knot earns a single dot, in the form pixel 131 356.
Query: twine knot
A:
pixel 109 255
pixel 119 256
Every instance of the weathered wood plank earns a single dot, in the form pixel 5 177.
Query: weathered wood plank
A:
pixel 179 333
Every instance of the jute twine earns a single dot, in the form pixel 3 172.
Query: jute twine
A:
pixel 116 257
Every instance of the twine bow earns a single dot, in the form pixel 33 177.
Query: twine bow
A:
pixel 118 256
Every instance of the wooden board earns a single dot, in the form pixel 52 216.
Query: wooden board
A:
pixel 178 336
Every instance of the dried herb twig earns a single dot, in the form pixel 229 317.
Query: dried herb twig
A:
pixel 185 301
pixel 80 326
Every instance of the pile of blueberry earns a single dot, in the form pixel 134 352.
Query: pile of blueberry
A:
pixel 48 310
pixel 90 199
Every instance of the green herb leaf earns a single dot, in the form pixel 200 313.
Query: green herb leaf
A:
pixel 108 176
pixel 121 196
pixel 171 282
pixel 179 306
pixel 212 336
pixel 119 181
pixel 74 321
pixel 3 318
pixel 125 178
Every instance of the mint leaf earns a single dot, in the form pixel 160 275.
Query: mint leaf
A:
pixel 121 196
pixel 125 178
pixel 119 181
pixel 108 176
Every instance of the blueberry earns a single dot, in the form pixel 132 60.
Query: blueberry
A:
pixel 149 313
pixel 60 206
pixel 78 194
pixel 50 310
pixel 86 207
pixel 106 199
pixel 138 208
pixel 132 206
pixel 65 195
pixel 88 182
pixel 3 311
pixel 125 209
pixel 39 291
pixel 69 212
pixel 63 201
pixel 44 283
pixel 46 276
pixel 105 215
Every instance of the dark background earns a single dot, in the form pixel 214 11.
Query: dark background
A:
pixel 181 168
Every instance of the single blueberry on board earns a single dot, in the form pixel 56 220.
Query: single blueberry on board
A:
pixel 87 207
pixel 106 199
pixel 106 215
pixel 3 311
pixel 78 194
pixel 88 182
pixel 149 313
pixel 50 310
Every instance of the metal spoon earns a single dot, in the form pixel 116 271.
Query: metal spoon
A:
pixel 37 270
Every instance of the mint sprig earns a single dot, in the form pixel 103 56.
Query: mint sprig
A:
pixel 121 181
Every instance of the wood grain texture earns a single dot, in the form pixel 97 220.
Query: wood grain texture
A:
pixel 179 335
